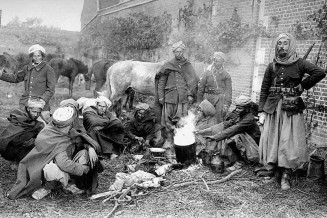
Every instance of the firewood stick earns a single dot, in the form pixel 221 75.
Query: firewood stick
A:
pixel 104 194
pixel 210 182
pixel 113 209
pixel 107 199
pixel 225 178
pixel 204 182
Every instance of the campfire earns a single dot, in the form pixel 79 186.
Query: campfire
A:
pixel 184 135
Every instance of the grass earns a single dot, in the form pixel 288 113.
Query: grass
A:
pixel 244 195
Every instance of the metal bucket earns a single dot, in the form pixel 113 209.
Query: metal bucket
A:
pixel 185 154
pixel 316 168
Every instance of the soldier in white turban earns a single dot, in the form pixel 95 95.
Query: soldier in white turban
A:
pixel 239 134
pixel 104 127
pixel 17 140
pixel 216 86
pixel 38 76
pixel 176 85
pixel 61 153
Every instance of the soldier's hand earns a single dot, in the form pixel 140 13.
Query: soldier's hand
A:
pixel 86 169
pixel 161 101
pixel 140 139
pixel 262 117
pixel 96 128
pixel 299 88
pixel 93 157
pixel 209 137
pixel 190 99
pixel 225 108
pixel 147 143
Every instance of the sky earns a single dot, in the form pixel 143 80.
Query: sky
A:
pixel 63 14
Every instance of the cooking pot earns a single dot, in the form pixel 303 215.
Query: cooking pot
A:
pixel 185 154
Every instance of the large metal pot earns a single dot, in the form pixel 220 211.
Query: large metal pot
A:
pixel 185 154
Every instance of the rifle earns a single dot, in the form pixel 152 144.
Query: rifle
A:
pixel 308 51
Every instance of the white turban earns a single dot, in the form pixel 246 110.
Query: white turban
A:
pixel 103 99
pixel 36 47
pixel 35 103
pixel 63 116
pixel 177 45
pixel 142 106
pixel 242 100
pixel 220 55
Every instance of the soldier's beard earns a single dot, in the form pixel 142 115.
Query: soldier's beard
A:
pixel 282 53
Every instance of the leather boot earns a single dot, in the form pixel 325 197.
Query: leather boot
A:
pixel 285 181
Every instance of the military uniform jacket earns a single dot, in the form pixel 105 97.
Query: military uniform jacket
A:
pixel 39 82
pixel 287 76
pixel 178 80
pixel 208 84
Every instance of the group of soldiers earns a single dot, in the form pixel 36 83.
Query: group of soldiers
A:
pixel 59 150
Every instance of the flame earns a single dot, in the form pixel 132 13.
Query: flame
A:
pixel 184 135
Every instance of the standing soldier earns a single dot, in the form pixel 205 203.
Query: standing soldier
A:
pixel 216 86
pixel 39 79
pixel 176 88
pixel 282 144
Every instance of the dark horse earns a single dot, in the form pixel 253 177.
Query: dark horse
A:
pixel 69 68
pixel 99 70
pixel 7 61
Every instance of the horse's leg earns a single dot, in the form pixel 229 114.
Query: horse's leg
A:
pixel 131 96
pixel 124 100
pixel 117 108
pixel 71 83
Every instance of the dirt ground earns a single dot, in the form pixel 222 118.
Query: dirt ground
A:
pixel 244 195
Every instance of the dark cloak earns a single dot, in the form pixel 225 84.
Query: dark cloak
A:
pixel 111 136
pixel 185 68
pixel 18 137
pixel 48 144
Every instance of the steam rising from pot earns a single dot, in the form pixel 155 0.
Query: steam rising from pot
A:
pixel 184 135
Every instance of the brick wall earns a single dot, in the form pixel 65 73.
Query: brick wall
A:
pixel 89 10
pixel 281 15
pixel 249 61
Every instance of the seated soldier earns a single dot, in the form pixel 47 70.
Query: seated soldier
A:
pixel 143 127
pixel 104 127
pixel 60 153
pixel 17 140
pixel 240 132
pixel 205 118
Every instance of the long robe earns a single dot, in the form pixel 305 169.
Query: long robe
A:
pixel 111 136
pixel 49 143
pixel 18 137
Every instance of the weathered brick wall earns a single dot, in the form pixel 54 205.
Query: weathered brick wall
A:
pixel 242 58
pixel 89 10
pixel 281 15
pixel 249 61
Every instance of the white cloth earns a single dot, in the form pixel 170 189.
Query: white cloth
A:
pixel 53 173
pixel 36 47
pixel 103 99
pixel 177 45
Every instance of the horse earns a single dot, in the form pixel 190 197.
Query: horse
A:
pixel 134 75
pixel 69 68
pixel 99 70
pixel 8 62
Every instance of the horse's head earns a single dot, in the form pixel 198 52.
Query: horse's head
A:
pixel 23 59
pixel 7 61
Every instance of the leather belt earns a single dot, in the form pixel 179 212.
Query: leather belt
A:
pixel 214 92
pixel 281 90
